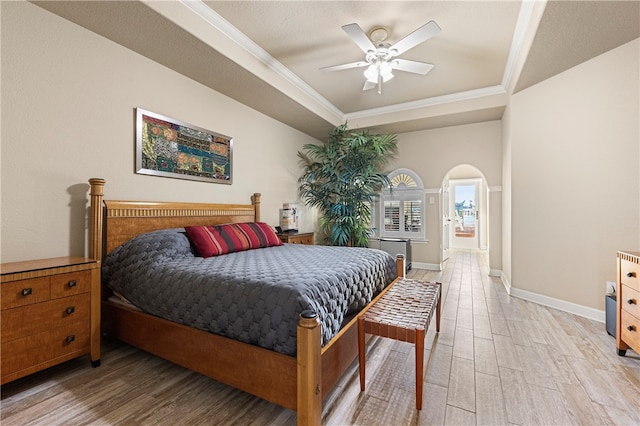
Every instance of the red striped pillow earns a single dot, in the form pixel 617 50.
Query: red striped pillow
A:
pixel 228 238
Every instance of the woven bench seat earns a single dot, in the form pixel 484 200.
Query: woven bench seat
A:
pixel 403 312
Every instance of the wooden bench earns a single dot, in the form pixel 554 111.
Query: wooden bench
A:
pixel 403 313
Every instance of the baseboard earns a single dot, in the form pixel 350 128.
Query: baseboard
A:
pixel 496 273
pixel 428 266
pixel 503 278
pixel 561 305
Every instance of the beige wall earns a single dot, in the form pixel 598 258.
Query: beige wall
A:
pixel 68 100
pixel 572 148
pixel 432 154
pixel 564 185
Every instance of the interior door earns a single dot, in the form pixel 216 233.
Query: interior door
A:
pixel 464 204
pixel 446 220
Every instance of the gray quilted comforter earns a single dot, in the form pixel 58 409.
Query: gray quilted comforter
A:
pixel 253 296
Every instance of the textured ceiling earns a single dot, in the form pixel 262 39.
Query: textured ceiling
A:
pixel 572 32
pixel 268 54
pixel 471 51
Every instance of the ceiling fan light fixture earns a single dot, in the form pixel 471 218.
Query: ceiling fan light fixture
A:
pixel 385 71
pixel 380 56
pixel 371 73
pixel 377 71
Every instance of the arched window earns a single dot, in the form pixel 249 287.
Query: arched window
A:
pixel 401 208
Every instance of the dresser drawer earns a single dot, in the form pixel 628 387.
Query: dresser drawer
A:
pixel 50 314
pixel 630 330
pixel 308 240
pixel 30 352
pixel 629 274
pixel 33 319
pixel 24 292
pixel 64 285
pixel 304 238
pixel 630 300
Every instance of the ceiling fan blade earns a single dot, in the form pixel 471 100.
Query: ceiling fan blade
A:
pixel 345 66
pixel 360 37
pixel 368 85
pixel 423 33
pixel 411 66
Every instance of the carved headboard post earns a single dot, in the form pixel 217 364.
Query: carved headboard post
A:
pixel 256 204
pixel 95 219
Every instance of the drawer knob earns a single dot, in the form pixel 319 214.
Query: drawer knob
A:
pixel 27 291
pixel 70 310
pixel 630 274
pixel 631 328
pixel 632 301
pixel 72 283
pixel 71 338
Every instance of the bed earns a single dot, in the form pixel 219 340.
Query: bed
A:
pixel 295 372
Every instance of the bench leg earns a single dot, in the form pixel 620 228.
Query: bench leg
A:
pixel 419 366
pixel 361 352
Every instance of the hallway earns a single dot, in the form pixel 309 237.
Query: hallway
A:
pixel 497 360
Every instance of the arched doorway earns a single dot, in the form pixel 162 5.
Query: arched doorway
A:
pixel 464 210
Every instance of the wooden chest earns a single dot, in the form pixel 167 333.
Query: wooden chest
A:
pixel 628 308
pixel 49 313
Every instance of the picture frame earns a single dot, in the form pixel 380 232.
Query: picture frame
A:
pixel 171 148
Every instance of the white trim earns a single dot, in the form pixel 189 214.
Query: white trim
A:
pixel 522 26
pixel 436 100
pixel 552 302
pixel 562 305
pixel 234 34
pixel 428 266
pixel 498 274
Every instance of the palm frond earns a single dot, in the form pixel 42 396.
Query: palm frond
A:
pixel 341 178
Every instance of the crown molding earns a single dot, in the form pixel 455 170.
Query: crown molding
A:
pixel 240 39
pixel 526 18
pixel 429 102
pixel 524 33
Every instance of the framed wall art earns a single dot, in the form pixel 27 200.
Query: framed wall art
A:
pixel 170 148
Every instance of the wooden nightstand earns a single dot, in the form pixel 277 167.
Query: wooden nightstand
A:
pixel 50 313
pixel 304 238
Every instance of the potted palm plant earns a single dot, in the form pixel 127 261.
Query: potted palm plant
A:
pixel 341 178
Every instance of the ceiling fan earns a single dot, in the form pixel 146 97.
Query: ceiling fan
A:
pixel 381 58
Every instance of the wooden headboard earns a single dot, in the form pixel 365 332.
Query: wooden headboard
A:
pixel 115 222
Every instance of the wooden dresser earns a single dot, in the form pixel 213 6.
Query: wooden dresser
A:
pixel 628 311
pixel 50 313
pixel 304 238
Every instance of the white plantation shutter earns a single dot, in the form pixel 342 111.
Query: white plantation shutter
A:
pixel 392 216
pixel 402 209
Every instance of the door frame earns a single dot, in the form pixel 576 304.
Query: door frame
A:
pixel 445 217
pixel 478 183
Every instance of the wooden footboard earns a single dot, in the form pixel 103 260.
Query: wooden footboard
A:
pixel 266 374
pixel 298 383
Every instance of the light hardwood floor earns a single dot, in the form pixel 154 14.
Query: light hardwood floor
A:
pixel 497 360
